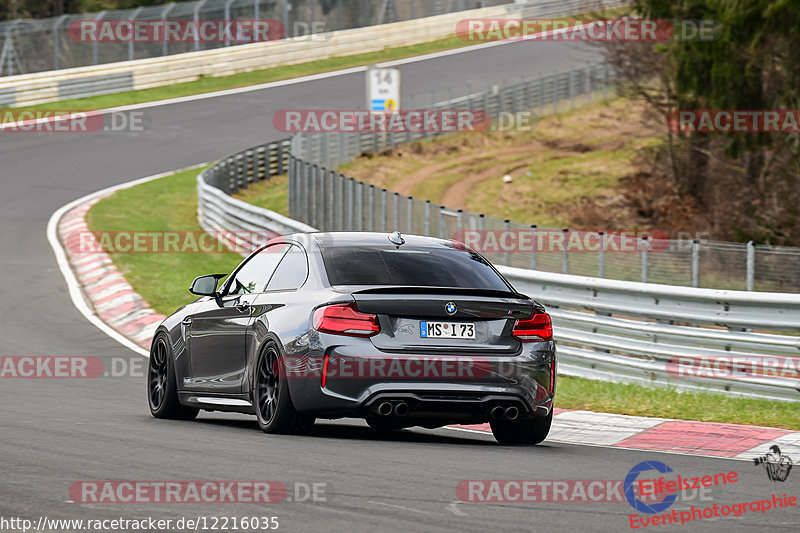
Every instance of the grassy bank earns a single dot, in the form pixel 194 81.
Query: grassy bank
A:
pixel 166 204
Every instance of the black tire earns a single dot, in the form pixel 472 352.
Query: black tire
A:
pixel 162 388
pixel 274 408
pixel 522 432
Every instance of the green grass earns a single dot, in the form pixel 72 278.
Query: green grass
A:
pixel 166 204
pixel 628 399
pixel 270 194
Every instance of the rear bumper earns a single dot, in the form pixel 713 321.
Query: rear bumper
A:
pixel 358 378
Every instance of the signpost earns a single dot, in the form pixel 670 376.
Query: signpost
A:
pixel 383 89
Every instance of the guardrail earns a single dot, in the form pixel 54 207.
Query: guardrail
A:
pixel 217 211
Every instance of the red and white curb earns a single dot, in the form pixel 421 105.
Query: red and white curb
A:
pixel 711 439
pixel 114 301
pixel 105 298
pixel 97 289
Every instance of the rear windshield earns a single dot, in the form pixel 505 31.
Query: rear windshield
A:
pixel 421 267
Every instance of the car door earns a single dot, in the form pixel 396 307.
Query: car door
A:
pixel 216 333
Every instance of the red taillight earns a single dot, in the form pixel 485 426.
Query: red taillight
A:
pixel 345 320
pixel 325 371
pixel 536 328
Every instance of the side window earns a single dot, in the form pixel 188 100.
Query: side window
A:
pixel 291 273
pixel 255 274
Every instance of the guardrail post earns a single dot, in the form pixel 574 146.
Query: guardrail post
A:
pixel 164 14
pixel 349 204
pixel 286 19
pixel 130 43
pixel 326 150
pixel 313 185
pixel 306 171
pixel 329 197
pixel 340 186
pixel 360 208
pixel 696 263
pixel 565 253
pixel 751 265
pixel 371 213
pixel 290 186
pixel 541 94
pixel 601 256
pixel 588 84
pixel 570 89
pixel 279 154
pixel 384 213
pixel 97 18
pixel 57 42
pixel 396 212
pixel 196 18
pixel 441 222
pixel 533 247
pixel 481 222
pixel 507 253
pixel 555 93
pixel 643 245
pixel 227 19
pixel 410 214
pixel 427 217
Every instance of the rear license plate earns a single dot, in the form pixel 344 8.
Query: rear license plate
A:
pixel 448 330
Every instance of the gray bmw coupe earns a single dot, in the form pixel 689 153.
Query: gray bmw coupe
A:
pixel 399 330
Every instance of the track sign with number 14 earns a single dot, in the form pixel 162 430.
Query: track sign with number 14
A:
pixel 383 89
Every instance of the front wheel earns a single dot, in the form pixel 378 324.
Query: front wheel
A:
pixel 522 432
pixel 274 409
pixel 162 389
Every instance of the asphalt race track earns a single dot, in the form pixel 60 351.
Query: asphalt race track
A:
pixel 55 432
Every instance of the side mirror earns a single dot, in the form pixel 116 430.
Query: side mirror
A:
pixel 206 285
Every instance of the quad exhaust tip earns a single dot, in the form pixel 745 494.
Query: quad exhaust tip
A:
pixel 401 409
pixel 504 413
pixel 385 409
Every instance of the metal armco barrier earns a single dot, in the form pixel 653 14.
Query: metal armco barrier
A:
pixel 643 333
pixel 218 211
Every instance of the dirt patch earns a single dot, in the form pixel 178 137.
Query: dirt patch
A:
pixel 575 169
